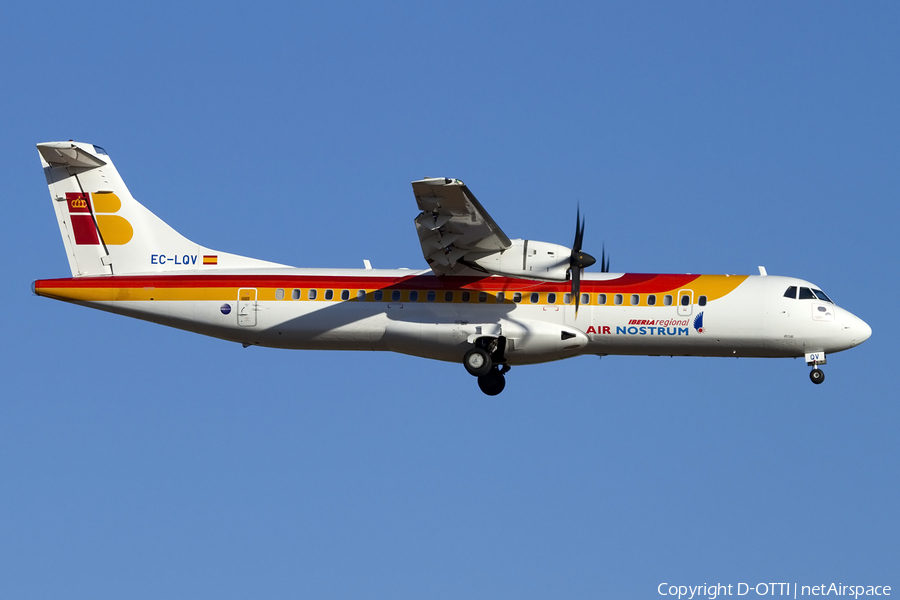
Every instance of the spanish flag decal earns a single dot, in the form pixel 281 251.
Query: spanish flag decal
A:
pixel 210 259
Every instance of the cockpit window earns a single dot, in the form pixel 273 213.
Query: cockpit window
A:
pixel 791 292
pixel 822 296
pixel 806 294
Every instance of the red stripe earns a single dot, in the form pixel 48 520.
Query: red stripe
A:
pixel 629 282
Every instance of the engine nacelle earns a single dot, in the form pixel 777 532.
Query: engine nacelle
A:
pixel 530 260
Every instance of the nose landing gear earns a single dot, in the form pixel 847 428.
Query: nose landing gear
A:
pixel 487 362
pixel 814 359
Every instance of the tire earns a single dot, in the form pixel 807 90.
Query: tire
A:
pixel 477 362
pixel 492 383
pixel 817 376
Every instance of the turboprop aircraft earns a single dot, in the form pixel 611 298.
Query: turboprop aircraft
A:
pixel 486 301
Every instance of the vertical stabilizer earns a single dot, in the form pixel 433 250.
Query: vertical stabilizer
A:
pixel 106 231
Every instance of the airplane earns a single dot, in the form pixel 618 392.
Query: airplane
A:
pixel 486 301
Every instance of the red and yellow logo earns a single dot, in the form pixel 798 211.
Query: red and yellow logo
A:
pixel 113 229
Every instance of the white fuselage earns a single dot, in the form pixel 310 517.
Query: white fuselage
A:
pixel 414 312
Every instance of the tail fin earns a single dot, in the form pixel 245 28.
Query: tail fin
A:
pixel 106 231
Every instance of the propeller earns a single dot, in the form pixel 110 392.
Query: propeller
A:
pixel 578 260
pixel 604 261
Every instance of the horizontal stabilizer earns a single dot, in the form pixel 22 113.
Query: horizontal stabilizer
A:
pixel 68 154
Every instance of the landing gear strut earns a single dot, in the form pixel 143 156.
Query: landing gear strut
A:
pixel 487 362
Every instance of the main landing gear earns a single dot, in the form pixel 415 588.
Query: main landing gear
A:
pixel 486 362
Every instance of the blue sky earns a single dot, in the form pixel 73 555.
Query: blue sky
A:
pixel 142 462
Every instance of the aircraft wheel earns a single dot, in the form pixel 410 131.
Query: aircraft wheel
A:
pixel 477 362
pixel 492 383
pixel 817 376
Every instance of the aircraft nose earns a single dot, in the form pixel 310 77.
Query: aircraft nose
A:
pixel 865 332
pixel 859 330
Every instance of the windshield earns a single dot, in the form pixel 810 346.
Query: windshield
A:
pixel 805 293
pixel 822 296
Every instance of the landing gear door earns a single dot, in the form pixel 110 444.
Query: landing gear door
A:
pixel 685 302
pixel 246 307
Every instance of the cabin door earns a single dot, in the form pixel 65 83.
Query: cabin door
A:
pixel 246 307
pixel 685 302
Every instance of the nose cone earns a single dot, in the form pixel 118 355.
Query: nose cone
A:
pixel 862 332
pixel 859 330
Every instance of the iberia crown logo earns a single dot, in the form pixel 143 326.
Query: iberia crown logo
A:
pixel 91 225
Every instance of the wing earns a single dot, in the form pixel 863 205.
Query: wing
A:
pixel 453 227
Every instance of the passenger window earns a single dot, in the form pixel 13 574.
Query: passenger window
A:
pixel 791 292
pixel 601 299
pixel 414 296
pixel 295 294
pixel 395 296
pixel 329 294
pixel 378 295
pixel 279 294
pixel 618 299
pixel 806 294
pixel 551 298
pixel 685 300
pixel 431 296
pixel 500 297
pixel 651 300
pixel 448 296
pixel 313 294
pixel 667 300
pixel 567 298
pixel 360 295
pixel 635 299
pixel 701 300
pixel 517 297
pixel 482 296
pixel 535 297
pixel 585 298
pixel 466 296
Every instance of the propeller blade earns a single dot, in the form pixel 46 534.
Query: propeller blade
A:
pixel 576 287
pixel 579 231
